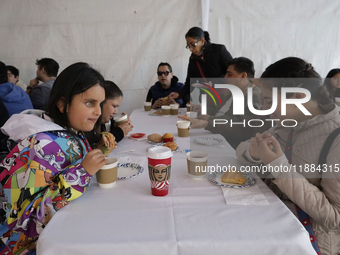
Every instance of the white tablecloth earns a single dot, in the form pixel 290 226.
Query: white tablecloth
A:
pixel 195 218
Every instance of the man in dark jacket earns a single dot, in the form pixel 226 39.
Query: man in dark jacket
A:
pixel 47 71
pixel 166 84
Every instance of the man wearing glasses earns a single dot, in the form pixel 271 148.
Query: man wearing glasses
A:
pixel 166 84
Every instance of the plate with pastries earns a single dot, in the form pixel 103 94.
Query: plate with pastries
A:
pixel 166 140
pixel 156 113
pixel 158 139
pixel 232 179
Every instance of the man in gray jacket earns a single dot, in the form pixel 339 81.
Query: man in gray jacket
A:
pixel 47 71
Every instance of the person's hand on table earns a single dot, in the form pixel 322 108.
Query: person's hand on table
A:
pixel 93 161
pixel 203 117
pixel 158 103
pixel 173 95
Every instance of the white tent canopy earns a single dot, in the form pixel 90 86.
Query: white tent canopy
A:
pixel 126 40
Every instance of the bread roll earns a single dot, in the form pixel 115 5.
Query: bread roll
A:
pixel 156 138
pixel 171 145
pixel 233 177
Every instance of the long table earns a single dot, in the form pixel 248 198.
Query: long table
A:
pixel 196 217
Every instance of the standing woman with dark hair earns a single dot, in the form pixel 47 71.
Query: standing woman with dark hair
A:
pixel 332 82
pixel 207 60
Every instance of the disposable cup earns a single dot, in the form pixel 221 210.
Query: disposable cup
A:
pixel 159 164
pixel 174 109
pixel 166 110
pixel 192 115
pixel 107 175
pixel 183 128
pixel 147 106
pixel 121 119
pixel 188 107
pixel 197 164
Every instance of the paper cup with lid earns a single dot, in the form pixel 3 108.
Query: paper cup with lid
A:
pixel 147 106
pixel 174 109
pixel 159 164
pixel 107 175
pixel 183 128
pixel 166 110
pixel 197 164
pixel 120 119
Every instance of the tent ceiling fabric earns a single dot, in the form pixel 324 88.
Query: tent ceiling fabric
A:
pixel 126 40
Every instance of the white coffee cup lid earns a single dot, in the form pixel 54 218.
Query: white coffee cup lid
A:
pixel 147 103
pixel 197 156
pixel 174 106
pixel 165 107
pixel 159 152
pixel 183 123
pixel 120 117
pixel 110 164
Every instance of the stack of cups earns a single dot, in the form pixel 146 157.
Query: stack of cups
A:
pixel 197 164
pixel 159 164
pixel 166 110
pixel 183 128
pixel 107 175
pixel 174 109
pixel 147 106
pixel 121 119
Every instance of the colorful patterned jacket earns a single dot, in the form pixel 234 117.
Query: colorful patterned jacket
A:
pixel 39 176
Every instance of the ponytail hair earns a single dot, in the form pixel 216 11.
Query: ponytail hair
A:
pixel 296 73
pixel 327 83
pixel 198 33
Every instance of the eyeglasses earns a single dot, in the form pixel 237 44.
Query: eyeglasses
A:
pixel 166 73
pixel 191 45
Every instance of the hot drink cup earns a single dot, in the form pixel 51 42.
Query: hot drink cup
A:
pixel 192 115
pixel 121 119
pixel 159 164
pixel 174 109
pixel 197 164
pixel 166 110
pixel 183 128
pixel 147 106
pixel 107 175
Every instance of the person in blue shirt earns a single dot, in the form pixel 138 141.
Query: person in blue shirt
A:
pixel 13 100
pixel 166 84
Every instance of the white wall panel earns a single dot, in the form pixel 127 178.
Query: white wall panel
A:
pixel 124 39
pixel 266 31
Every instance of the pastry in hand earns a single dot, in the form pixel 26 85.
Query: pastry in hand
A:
pixel 156 138
pixel 165 100
pixel 233 177
pixel 109 143
pixel 171 145
pixel 167 137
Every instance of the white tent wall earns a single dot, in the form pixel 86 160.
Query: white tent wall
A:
pixel 266 31
pixel 126 39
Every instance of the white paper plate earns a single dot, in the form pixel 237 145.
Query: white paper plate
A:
pixel 206 140
pixel 216 179
pixel 128 170
pixel 153 114
pixel 159 144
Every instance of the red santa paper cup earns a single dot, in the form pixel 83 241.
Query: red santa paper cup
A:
pixel 159 164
